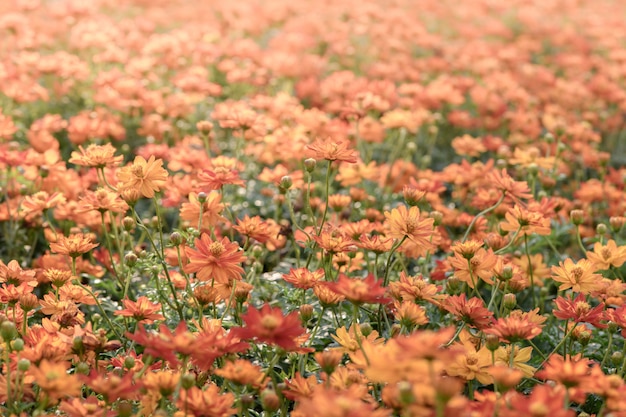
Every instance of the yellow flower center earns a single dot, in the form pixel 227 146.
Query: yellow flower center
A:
pixel 577 272
pixel 216 248
pixel 270 322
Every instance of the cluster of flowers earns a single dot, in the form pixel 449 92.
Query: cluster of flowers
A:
pixel 312 208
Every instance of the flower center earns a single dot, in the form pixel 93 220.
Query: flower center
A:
pixel 577 272
pixel 216 248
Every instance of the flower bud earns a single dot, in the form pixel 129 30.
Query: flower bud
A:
pixel 405 390
pixel 328 360
pixel 202 197
pixel 437 216
pixel 128 223
pixel 617 358
pixel 23 365
pixel 82 368
pixel 204 126
pixel 17 345
pixel 617 222
pixel 601 229
pixel 129 362
pixel 187 381
pixel 124 409
pixel 612 327
pixel 577 217
pixel 309 164
pixel 130 259
pixel 306 312
pixel 8 331
pixel 176 239
pixel 510 301
pixel 270 400
pixel 492 342
pixel 28 302
pixel 285 183
pixel 366 329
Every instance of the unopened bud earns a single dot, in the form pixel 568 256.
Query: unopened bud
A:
pixel 202 197
pixel 129 362
pixel 306 312
pixel 492 342
pixel 130 259
pixel 128 223
pixel 510 301
pixel 176 239
pixel 310 164
pixel 187 381
pixel 366 329
pixel 577 216
pixel 437 216
pixel 617 222
pixel 270 400
pixel 8 331
pixel 601 229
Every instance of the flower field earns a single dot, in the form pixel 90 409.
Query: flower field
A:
pixel 313 208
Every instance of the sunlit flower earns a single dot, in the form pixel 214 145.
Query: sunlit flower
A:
pixel 97 156
pixel 73 245
pixel 473 311
pixel 605 256
pixel 269 325
pixel 147 177
pixel 142 310
pixel 403 222
pixel 331 150
pixel 220 259
pixel 578 276
pixel 579 310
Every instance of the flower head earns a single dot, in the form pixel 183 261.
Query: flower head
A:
pixel 220 259
pixel 146 177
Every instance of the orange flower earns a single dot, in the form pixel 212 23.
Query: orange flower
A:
pixel 209 402
pixel 53 379
pixel 526 222
pixel 472 311
pixel 216 178
pixel 577 276
pixel 332 151
pixel 514 328
pixel 579 310
pixel 480 265
pixel 358 291
pixel 474 364
pixel 515 190
pixel 142 310
pixel 73 245
pixel 102 200
pixel 243 372
pixel 146 177
pixel 570 371
pixel 544 400
pixel 38 203
pixel 219 260
pixel 97 156
pixel 256 228
pixel 270 326
pixel 303 278
pixel 403 222
pixel 605 256
pixel 211 209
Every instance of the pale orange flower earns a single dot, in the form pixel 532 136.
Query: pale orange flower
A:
pixel 97 156
pixel 605 256
pixel 147 177
pixel 403 222
pixel 577 276
pixel 73 245
pixel 332 151
pixel 220 260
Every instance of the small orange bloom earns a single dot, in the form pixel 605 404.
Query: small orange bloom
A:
pixel 97 156
pixel 332 151
pixel 605 256
pixel 142 310
pixel 358 291
pixel 403 222
pixel 53 379
pixel 514 328
pixel 243 372
pixel 577 276
pixel 73 245
pixel 270 326
pixel 144 176
pixel 220 260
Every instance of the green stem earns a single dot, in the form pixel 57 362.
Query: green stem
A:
pixel 328 172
